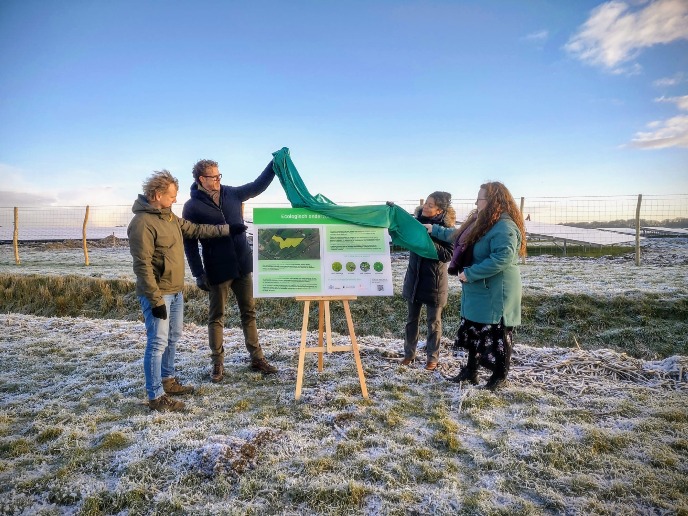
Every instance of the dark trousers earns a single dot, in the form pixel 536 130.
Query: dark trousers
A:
pixel 218 295
pixel 432 345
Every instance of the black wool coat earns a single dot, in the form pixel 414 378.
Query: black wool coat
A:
pixel 227 257
pixel 427 280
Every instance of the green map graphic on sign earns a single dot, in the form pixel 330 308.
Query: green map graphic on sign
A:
pixel 289 244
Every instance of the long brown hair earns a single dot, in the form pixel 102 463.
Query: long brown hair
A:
pixel 499 200
pixel 467 222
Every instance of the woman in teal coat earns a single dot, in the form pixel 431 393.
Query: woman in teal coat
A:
pixel 491 284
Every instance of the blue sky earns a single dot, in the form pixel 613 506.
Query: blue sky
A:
pixel 376 100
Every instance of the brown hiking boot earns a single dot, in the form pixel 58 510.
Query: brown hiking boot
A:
pixel 172 387
pixel 218 372
pixel 263 366
pixel 166 404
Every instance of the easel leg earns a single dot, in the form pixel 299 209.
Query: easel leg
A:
pixel 321 318
pixel 354 347
pixel 302 350
pixel 328 327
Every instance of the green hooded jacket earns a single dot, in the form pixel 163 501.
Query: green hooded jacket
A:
pixel 156 243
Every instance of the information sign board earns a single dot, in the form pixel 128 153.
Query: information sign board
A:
pixel 299 252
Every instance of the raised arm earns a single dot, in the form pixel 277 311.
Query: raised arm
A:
pixel 257 187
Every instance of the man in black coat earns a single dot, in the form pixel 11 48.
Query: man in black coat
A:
pixel 227 262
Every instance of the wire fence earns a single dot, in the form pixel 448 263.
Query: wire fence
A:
pixel 560 223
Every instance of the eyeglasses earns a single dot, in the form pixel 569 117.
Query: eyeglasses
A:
pixel 214 178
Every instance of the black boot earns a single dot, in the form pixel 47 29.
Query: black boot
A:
pixel 469 372
pixel 496 381
pixel 501 369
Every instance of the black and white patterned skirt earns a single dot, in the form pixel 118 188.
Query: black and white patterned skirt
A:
pixel 492 343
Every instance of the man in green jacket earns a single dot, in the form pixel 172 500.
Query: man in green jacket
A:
pixel 156 244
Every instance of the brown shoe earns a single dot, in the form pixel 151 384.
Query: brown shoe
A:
pixel 406 361
pixel 166 404
pixel 218 373
pixel 431 366
pixel 263 366
pixel 173 387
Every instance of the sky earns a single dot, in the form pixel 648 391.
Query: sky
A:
pixel 377 100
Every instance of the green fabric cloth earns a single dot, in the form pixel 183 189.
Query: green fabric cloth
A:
pixel 404 229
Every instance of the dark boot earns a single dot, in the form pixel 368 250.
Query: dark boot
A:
pixel 501 370
pixel 166 404
pixel 262 365
pixel 173 387
pixel 217 373
pixel 496 381
pixel 469 372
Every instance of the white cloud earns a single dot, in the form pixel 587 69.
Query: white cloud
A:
pixel 664 134
pixel 667 82
pixel 537 37
pixel 681 102
pixel 10 199
pixel 19 189
pixel 613 35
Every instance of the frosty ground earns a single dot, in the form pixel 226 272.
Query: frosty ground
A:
pixel 663 269
pixel 576 431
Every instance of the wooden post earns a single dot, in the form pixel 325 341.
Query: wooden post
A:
pixel 83 237
pixel 15 237
pixel 637 230
pixel 523 201
pixel 325 329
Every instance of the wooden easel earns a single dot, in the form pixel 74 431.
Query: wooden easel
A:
pixel 324 317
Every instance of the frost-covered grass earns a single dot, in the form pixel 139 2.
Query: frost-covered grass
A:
pixel 578 430
pixel 588 302
pixel 663 269
pixel 574 432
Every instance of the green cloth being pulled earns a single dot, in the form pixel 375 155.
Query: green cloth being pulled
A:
pixel 405 230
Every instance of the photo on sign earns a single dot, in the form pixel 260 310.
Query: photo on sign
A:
pixel 289 244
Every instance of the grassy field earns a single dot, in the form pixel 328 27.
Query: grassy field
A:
pixel 574 432
pixel 642 325
pixel 592 421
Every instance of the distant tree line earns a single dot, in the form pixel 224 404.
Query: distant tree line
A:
pixel 679 222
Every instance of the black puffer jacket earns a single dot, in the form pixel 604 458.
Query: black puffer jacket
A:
pixel 426 280
pixel 229 257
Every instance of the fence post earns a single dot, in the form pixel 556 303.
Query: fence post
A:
pixel 15 237
pixel 83 237
pixel 523 201
pixel 637 230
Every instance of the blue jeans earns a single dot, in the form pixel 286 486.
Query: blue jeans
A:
pixel 161 342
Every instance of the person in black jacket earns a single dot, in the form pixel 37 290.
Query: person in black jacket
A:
pixel 226 263
pixel 426 283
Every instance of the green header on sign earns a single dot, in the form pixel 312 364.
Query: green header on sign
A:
pixel 285 216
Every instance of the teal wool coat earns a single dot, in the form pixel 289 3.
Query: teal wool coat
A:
pixel 493 287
